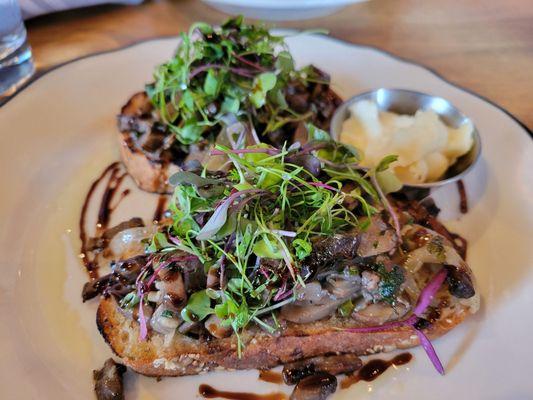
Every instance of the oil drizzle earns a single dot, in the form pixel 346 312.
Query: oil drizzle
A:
pixel 270 376
pixel 463 202
pixel 374 368
pixel 208 392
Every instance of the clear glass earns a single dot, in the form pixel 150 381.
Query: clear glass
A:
pixel 16 65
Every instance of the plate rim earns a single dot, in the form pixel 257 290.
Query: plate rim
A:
pixel 169 45
pixel 280 6
pixel 41 74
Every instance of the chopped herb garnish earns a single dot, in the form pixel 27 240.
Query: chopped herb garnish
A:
pixel 436 247
pixel 390 281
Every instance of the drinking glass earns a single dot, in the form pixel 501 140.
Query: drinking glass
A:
pixel 16 64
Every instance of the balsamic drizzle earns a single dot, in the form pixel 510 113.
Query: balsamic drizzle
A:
pixel 463 202
pixel 374 368
pixel 209 392
pixel 91 267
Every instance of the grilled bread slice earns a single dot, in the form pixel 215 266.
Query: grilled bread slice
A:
pixel 140 141
pixel 188 356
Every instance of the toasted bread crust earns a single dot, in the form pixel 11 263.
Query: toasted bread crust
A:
pixel 186 356
pixel 148 175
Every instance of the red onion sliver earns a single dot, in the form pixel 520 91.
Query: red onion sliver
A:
pixel 423 302
pixel 142 320
pixel 428 293
pixel 430 351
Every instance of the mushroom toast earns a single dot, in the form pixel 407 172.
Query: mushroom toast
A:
pixel 289 253
pixel 233 84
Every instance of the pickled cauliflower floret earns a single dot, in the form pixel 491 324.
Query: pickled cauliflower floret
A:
pixel 425 146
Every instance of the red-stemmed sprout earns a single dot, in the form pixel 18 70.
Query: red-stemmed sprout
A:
pixel 426 296
pixel 271 152
pixel 323 185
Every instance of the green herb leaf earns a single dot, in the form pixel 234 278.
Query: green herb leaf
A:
pixel 190 132
pixel 385 162
pixel 346 308
pixel 211 83
pixel 230 105
pixel 199 306
pixel 285 62
pixel 302 248
pixel 317 134
pixel 262 84
pixel 388 181
pixel 267 249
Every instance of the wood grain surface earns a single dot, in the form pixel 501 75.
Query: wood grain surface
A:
pixel 485 46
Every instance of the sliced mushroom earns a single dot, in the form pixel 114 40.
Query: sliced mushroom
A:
pixel 108 381
pixel 314 302
pixel 378 313
pixel 377 239
pixel 214 326
pixel 165 320
pixel 328 250
pixel 129 269
pixel 129 242
pixel 334 365
pixel 460 283
pixel 172 287
pixel 306 314
pixel 312 294
pixel 315 387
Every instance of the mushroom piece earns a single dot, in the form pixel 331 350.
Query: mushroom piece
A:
pixel 314 302
pixel 377 239
pixel 213 324
pixel 434 248
pixel 129 242
pixel 164 320
pixel 315 387
pixel 334 365
pixel 108 381
pixel 378 313
pixel 306 314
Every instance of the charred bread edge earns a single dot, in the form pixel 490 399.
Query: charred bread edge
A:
pixel 186 356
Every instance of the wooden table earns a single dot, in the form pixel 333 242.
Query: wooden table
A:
pixel 483 45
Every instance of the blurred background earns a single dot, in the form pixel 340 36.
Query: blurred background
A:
pixel 483 45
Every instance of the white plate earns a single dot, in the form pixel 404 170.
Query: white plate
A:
pixel 58 134
pixel 280 10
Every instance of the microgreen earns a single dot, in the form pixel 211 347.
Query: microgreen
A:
pixel 256 223
pixel 236 69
